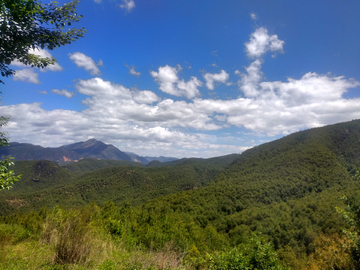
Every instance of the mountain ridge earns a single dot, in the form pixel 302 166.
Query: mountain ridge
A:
pixel 91 148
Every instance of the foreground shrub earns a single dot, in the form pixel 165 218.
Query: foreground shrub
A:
pixel 69 235
pixel 254 255
pixel 12 233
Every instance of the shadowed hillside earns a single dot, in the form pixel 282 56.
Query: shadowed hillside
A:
pixel 135 183
pixel 36 175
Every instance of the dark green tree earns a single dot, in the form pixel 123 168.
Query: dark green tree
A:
pixel 7 176
pixel 29 24
pixel 351 215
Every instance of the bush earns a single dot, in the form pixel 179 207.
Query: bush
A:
pixel 12 233
pixel 254 255
pixel 70 236
pixel 232 260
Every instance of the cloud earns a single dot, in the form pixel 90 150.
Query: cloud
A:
pixel 253 16
pixel 43 54
pixel 128 5
pixel 170 83
pixel 97 1
pixel 146 97
pixel 249 83
pixel 26 75
pixel 215 77
pixel 114 114
pixel 260 43
pixel 284 107
pixel 63 92
pixel 107 99
pixel 140 121
pixel 100 63
pixel 86 62
pixel 132 71
pixel 43 92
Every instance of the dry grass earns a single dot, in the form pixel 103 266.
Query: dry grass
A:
pixel 167 258
pixel 73 240
pixel 70 242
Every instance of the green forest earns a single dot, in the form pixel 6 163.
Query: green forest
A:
pixel 288 204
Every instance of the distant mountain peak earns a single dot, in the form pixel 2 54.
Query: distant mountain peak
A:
pixel 91 148
pixel 92 141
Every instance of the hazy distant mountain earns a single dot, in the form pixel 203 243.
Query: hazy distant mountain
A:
pixel 98 150
pixel 74 152
pixel 67 153
pixel 136 158
pixel 27 151
pixel 161 158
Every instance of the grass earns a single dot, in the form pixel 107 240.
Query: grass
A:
pixel 106 255
pixel 69 240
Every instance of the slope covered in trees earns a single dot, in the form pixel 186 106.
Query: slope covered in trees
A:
pixel 286 191
pixel 87 165
pixel 40 174
pixel 82 183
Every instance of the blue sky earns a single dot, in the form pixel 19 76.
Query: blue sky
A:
pixel 191 78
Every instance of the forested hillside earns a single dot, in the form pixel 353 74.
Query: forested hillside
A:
pixel 80 183
pixel 284 192
pixel 88 165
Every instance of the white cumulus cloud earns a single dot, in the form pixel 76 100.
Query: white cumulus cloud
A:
pixel 146 97
pixel 63 92
pixel 86 62
pixel 211 78
pixel 249 83
pixel 260 43
pixel 27 75
pixel 139 121
pixel 171 84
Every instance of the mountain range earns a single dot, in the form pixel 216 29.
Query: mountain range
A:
pixel 286 190
pixel 74 152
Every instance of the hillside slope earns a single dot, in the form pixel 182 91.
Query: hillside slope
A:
pixel 303 163
pixel 40 174
pixel 135 184
pixel 287 190
pixel 87 165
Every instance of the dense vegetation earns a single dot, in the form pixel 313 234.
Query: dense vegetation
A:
pixel 45 183
pixel 272 207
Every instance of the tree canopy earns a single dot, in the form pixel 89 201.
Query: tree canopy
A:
pixel 28 25
pixel 7 176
